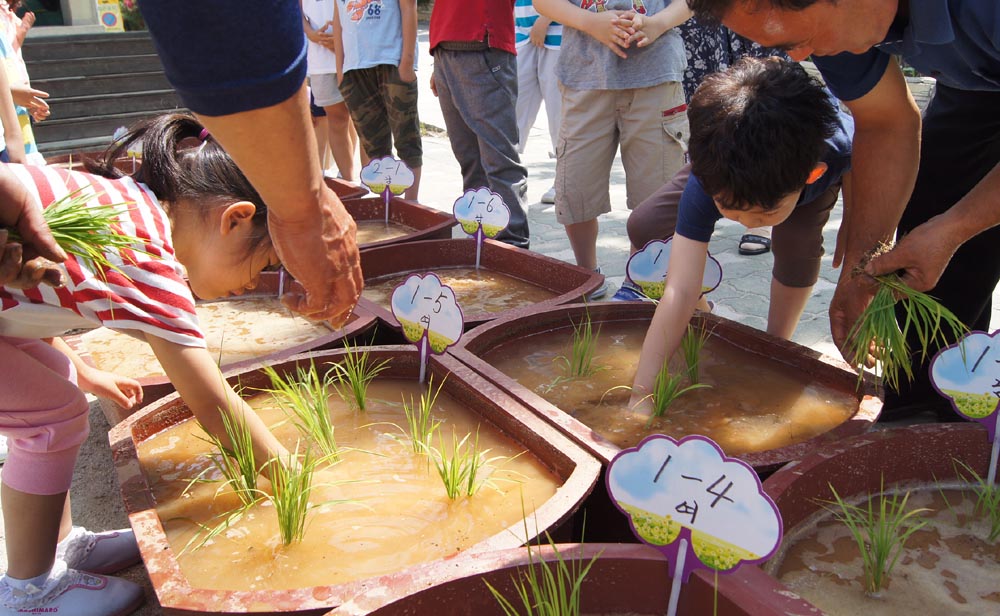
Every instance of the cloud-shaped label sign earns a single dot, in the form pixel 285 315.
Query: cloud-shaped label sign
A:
pixel 427 309
pixel 671 488
pixel 482 208
pixel 967 373
pixel 648 269
pixel 387 173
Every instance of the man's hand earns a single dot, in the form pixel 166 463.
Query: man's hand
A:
pixel 29 262
pixel 607 28
pixel 922 255
pixel 852 296
pixel 17 273
pixel 321 252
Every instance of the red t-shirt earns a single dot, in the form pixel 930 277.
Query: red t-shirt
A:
pixel 147 294
pixel 472 20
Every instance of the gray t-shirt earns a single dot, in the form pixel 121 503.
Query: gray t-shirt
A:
pixel 586 64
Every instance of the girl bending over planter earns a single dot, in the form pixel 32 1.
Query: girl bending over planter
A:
pixel 187 212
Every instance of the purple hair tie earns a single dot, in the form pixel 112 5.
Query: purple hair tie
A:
pixel 203 135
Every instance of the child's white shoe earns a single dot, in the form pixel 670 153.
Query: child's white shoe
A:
pixel 105 552
pixel 68 592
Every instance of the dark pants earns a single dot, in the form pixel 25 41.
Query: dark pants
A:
pixel 960 145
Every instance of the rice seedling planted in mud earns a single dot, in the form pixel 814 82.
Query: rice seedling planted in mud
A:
pixel 305 398
pixel 692 344
pixel 580 363
pixel 880 532
pixel 291 487
pixel 418 418
pixel 666 389
pixel 237 463
pixel 987 500
pixel 461 469
pixel 354 373
pixel 876 331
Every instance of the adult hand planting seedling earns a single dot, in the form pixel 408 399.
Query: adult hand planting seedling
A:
pixel 32 261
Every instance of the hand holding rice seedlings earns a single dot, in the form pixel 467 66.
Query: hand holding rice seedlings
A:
pixel 88 233
pixel 236 463
pixel 692 344
pixel 880 533
pixel 305 399
pixel 878 331
pixel 418 418
pixel 354 373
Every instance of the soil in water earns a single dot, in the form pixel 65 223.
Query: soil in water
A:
pixel 477 291
pixel 753 403
pixel 235 330
pixel 379 509
pixel 370 231
pixel 947 567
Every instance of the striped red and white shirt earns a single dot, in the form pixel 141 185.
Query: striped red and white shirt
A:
pixel 149 294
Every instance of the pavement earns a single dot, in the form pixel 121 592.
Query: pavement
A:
pixel 742 296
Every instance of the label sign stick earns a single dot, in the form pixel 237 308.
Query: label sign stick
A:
pixel 482 213
pixel 387 176
pixel 967 373
pixel 429 315
pixel 647 268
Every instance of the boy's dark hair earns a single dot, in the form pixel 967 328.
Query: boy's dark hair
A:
pixel 712 11
pixel 199 170
pixel 757 131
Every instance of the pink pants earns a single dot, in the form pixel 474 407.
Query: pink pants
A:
pixel 43 414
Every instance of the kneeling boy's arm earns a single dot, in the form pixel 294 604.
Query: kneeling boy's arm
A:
pixel 208 395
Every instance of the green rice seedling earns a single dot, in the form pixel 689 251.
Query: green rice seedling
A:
pixel 692 343
pixel 305 399
pixel 460 471
pixel 987 500
pixel 666 389
pixel 880 532
pixel 291 487
pixel 88 233
pixel 237 463
pixel 418 417
pixel 877 330
pixel 580 363
pixel 355 373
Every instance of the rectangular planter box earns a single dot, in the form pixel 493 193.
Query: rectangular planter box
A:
pixel 569 463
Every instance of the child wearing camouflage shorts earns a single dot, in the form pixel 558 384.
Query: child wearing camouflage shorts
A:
pixel 377 63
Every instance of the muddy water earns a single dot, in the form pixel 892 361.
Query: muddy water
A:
pixel 396 512
pixel 948 567
pixel 477 291
pixel 235 330
pixel 752 404
pixel 376 231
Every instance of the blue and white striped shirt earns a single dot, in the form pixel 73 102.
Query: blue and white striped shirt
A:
pixel 525 16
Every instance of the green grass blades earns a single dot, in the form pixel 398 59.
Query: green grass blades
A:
pixel 305 398
pixel 88 233
pixel 877 330
pixel 354 373
pixel 237 463
pixel 987 499
pixel 666 389
pixel 291 487
pixel 461 469
pixel 692 343
pixel 880 532
pixel 547 588
pixel 419 420
pixel 580 363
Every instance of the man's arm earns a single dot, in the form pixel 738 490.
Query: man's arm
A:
pixel 924 252
pixel 884 163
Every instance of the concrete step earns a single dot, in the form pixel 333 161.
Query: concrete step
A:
pixel 64 87
pixel 109 104
pixel 72 129
pixel 75 146
pixel 89 66
pixel 87 46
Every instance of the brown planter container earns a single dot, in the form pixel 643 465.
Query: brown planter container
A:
pixel 569 282
pixel 800 359
pixel 576 468
pixel 345 189
pixel 427 223
pixel 155 387
pixel 625 579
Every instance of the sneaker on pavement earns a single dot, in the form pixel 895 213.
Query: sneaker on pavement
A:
pixel 630 292
pixel 549 196
pixel 600 291
pixel 68 592
pixel 105 552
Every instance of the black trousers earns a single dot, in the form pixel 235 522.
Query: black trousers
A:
pixel 959 146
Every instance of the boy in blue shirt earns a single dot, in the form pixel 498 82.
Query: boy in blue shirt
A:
pixel 769 147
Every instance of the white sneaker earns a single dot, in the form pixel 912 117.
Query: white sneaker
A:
pixel 600 291
pixel 68 592
pixel 550 195
pixel 105 552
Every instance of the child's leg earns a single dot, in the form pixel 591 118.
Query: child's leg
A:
pixel 342 141
pixel 588 140
pixel 43 440
pixel 547 62
pixel 529 92
pixel 798 248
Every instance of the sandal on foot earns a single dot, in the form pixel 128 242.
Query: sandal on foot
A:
pixel 753 244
